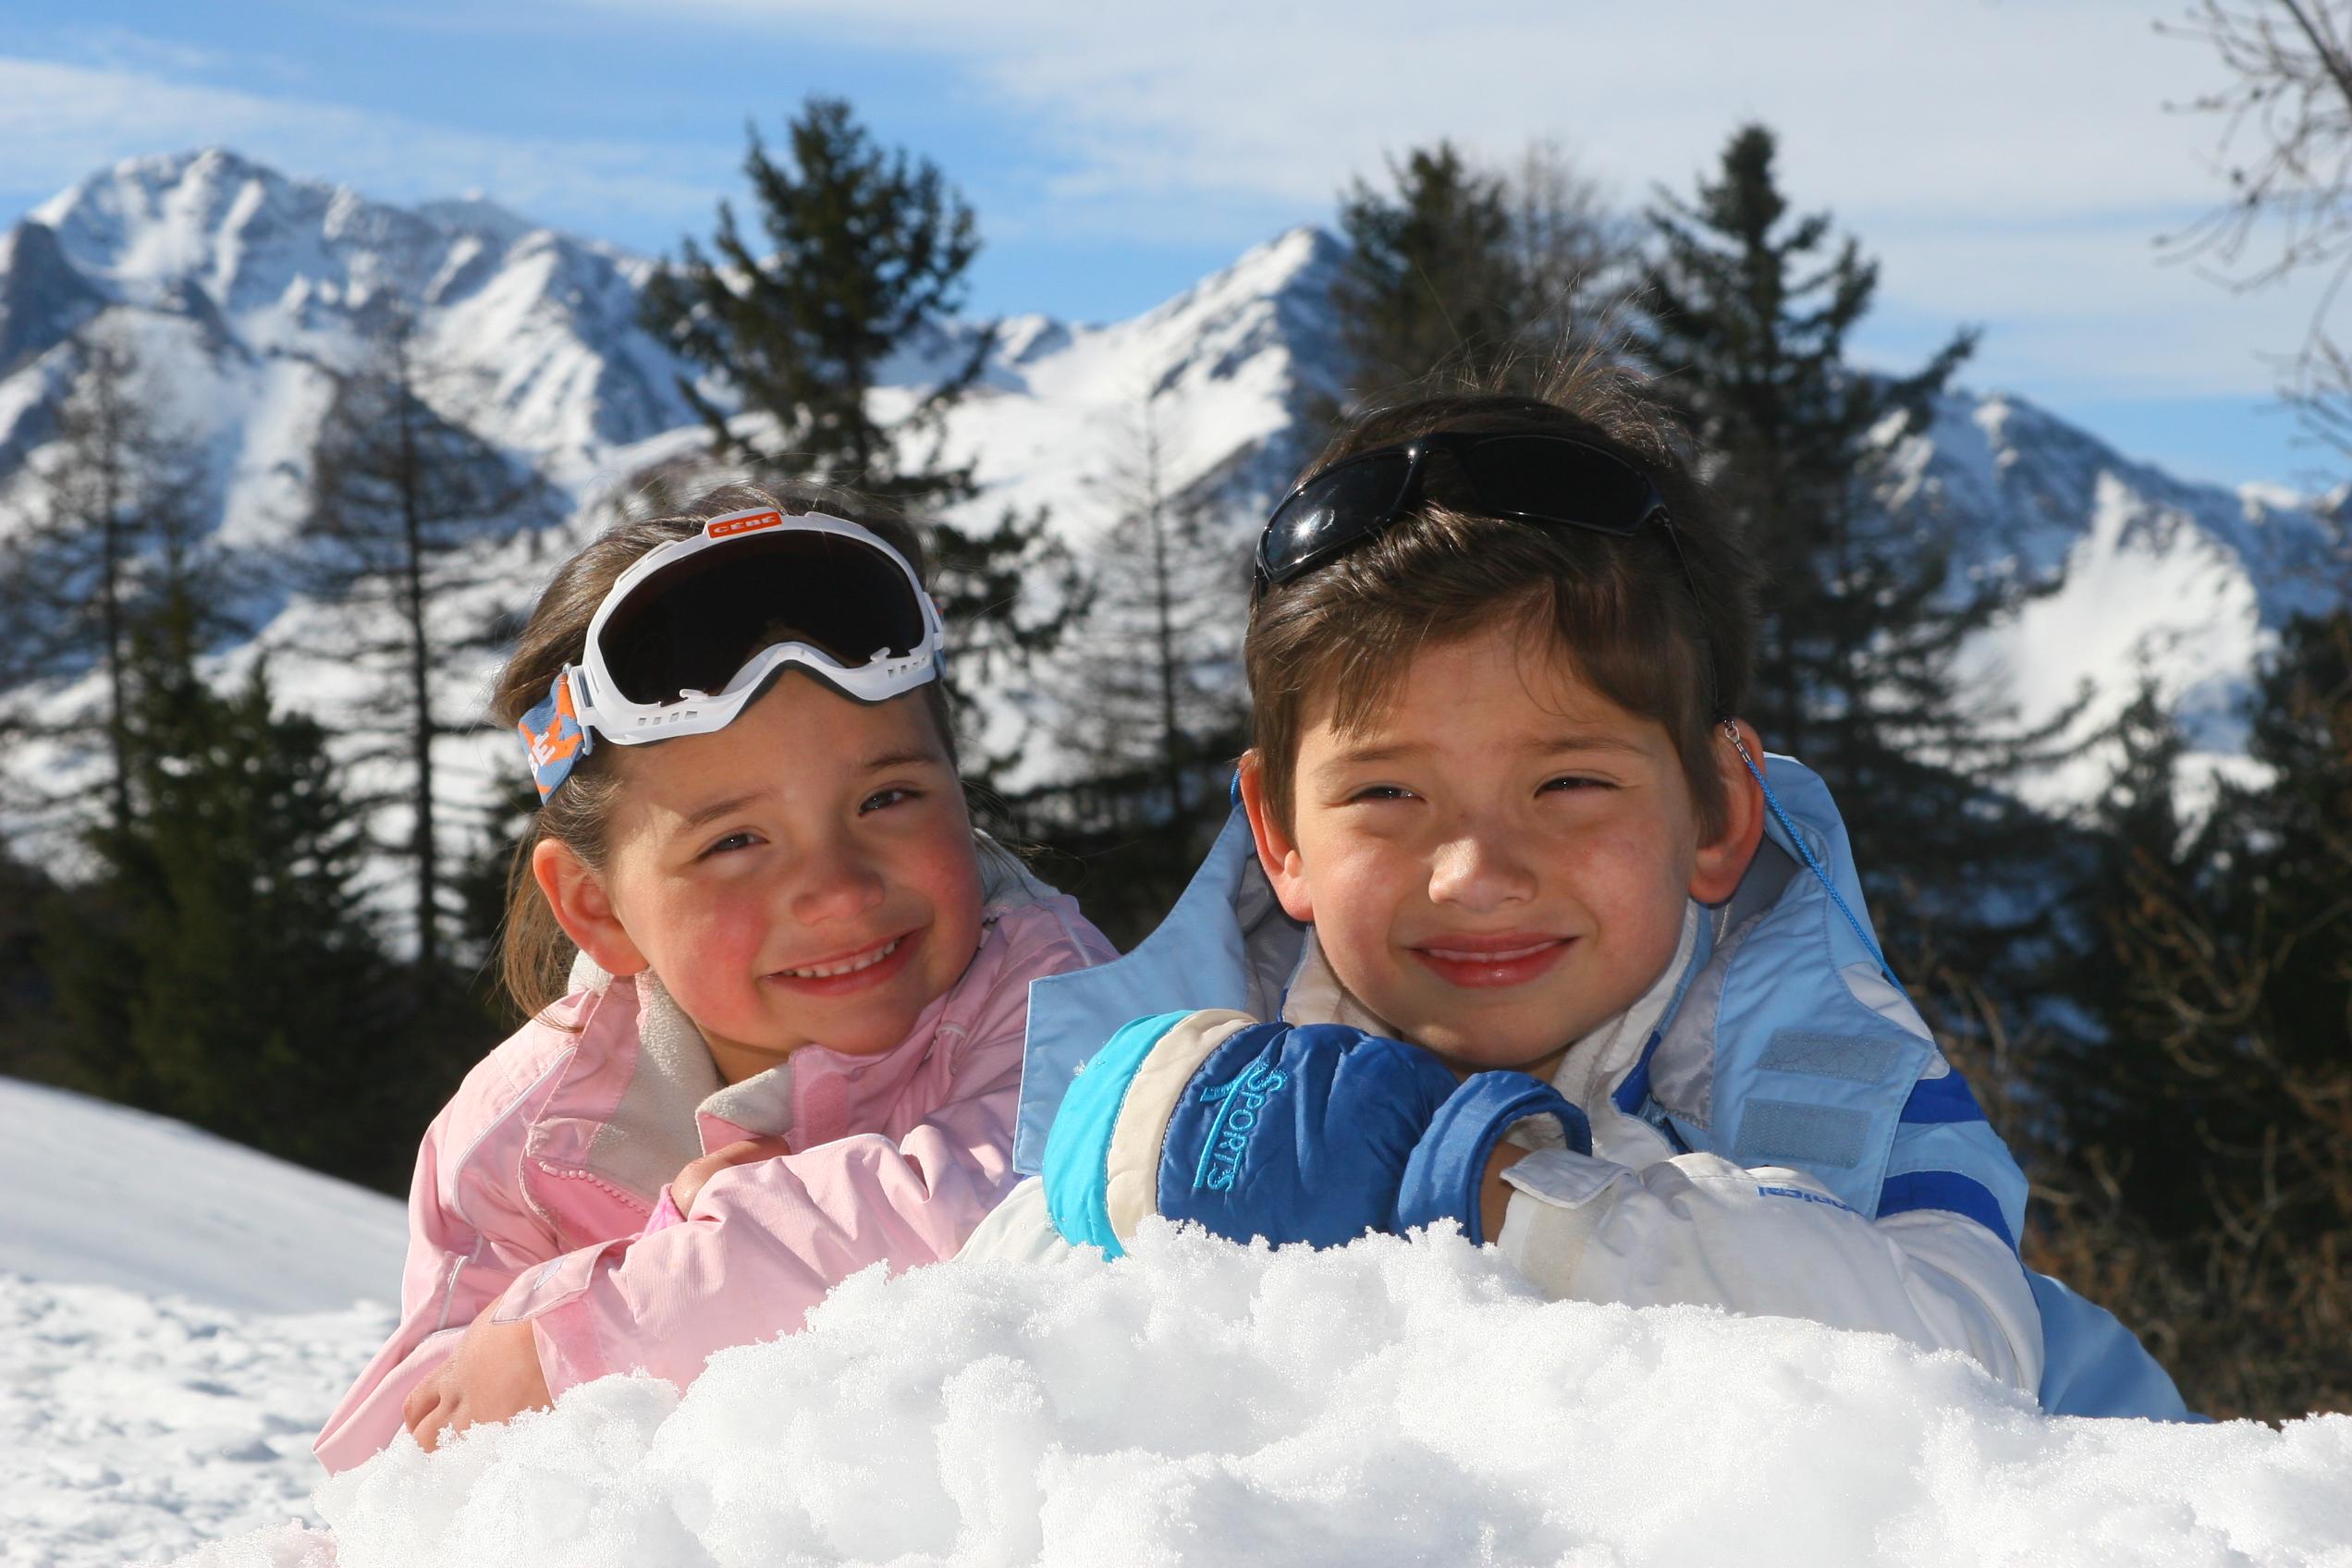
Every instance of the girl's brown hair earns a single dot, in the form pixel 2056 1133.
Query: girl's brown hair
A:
pixel 536 955
pixel 1657 643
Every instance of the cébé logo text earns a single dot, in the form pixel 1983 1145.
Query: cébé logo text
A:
pixel 743 522
pixel 1241 1105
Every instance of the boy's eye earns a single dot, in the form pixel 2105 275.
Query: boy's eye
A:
pixel 1382 792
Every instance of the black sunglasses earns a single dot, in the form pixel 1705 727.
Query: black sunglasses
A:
pixel 1518 477
pixel 1549 480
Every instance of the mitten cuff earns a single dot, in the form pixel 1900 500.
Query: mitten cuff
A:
pixel 1443 1179
pixel 1102 1154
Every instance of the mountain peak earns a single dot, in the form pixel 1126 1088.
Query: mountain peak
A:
pixel 476 214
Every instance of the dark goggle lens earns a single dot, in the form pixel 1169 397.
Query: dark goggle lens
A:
pixel 1330 512
pixel 691 625
pixel 1546 479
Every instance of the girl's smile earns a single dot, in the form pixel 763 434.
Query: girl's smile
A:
pixel 853 972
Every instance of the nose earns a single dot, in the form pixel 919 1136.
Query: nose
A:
pixel 836 883
pixel 1482 867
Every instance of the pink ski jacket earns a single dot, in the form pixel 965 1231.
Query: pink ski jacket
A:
pixel 535 1182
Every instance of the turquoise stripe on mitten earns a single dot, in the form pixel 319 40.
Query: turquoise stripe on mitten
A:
pixel 1078 1147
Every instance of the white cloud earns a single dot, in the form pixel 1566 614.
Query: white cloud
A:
pixel 1928 106
pixel 2008 163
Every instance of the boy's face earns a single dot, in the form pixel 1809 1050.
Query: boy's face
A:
pixel 1501 860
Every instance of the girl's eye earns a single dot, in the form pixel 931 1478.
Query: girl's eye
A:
pixel 1571 783
pixel 882 799
pixel 732 842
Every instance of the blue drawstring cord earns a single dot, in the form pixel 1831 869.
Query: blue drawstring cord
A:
pixel 1806 849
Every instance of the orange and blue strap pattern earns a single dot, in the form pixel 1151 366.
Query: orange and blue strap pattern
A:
pixel 552 735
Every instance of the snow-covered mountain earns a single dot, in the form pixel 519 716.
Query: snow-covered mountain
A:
pixel 242 287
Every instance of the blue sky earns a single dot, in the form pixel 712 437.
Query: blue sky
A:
pixel 2009 163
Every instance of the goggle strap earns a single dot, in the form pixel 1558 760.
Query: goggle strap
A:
pixel 555 735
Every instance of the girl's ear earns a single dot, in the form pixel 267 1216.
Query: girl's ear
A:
pixel 1723 860
pixel 583 909
pixel 1276 850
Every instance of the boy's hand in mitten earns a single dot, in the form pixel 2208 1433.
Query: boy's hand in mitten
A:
pixel 1317 1133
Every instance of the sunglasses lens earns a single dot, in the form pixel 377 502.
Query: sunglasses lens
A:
pixel 1545 479
pixel 691 625
pixel 1333 511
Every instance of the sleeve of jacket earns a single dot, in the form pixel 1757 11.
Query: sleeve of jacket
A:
pixel 1773 1241
pixel 470 1234
pixel 765 1242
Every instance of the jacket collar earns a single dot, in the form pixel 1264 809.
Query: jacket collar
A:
pixel 676 1107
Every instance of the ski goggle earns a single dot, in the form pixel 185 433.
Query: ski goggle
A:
pixel 1546 479
pixel 666 653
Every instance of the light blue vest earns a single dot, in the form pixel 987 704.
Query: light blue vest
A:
pixel 1787 1046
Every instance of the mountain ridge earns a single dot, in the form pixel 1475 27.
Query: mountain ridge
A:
pixel 246 290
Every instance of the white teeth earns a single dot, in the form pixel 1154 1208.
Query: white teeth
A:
pixel 827 970
pixel 1451 955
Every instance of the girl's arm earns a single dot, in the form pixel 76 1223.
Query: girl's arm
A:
pixel 765 1242
pixel 470 1234
pixel 762 1242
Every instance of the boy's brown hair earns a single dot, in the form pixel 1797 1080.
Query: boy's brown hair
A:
pixel 535 955
pixel 1619 610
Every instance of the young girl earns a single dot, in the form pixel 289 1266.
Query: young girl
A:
pixel 789 943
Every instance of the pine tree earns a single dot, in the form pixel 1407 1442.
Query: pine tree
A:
pixel 1152 687
pixel 1429 279
pixel 1147 695
pixel 113 487
pixel 866 256
pixel 398 491
pixel 2208 1133
pixel 1465 269
pixel 1750 309
pixel 221 966
pixel 864 262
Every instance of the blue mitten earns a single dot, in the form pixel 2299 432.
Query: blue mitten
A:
pixel 1316 1133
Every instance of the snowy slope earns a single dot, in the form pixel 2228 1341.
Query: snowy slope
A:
pixel 108 1195
pixel 178 1314
pixel 244 286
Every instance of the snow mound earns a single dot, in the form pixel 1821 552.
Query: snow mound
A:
pixel 103 1195
pixel 1391 1402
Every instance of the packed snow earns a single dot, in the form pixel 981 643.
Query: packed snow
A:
pixel 1195 1403
pixel 1391 1402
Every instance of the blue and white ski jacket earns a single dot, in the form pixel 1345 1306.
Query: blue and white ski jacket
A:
pixel 1774 1131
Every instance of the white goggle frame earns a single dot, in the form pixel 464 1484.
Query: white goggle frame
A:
pixel 599 706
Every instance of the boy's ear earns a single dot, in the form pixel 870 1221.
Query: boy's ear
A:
pixel 1723 860
pixel 1276 850
pixel 583 909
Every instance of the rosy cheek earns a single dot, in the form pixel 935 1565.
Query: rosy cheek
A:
pixel 724 925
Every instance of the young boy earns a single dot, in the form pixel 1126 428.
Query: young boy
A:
pixel 1496 808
